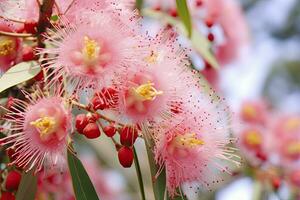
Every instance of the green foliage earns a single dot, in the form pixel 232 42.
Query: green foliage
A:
pixel 27 187
pixel 18 74
pixel 184 15
pixel 139 4
pixel 82 185
pixel 159 183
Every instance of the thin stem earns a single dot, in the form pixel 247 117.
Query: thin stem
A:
pixel 84 107
pixel 11 34
pixel 45 13
pixel 13 20
pixel 139 174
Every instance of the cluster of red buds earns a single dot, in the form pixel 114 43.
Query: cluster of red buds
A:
pixel 90 125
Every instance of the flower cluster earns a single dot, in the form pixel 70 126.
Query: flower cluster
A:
pixel 97 59
pixel 270 141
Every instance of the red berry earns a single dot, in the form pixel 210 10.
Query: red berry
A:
pixel 109 130
pixel 27 54
pixel 199 3
pixel 128 136
pixel 157 8
pixel 30 26
pixel 13 180
pixel 98 103
pixel 261 155
pixel 91 131
pixel 173 12
pixel 209 23
pixel 80 122
pixel 125 155
pixel 276 182
pixel 211 37
pixel 7 196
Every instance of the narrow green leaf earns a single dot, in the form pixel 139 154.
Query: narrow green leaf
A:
pixel 27 187
pixel 82 185
pixel 159 183
pixel 139 174
pixel 19 74
pixel 198 41
pixel 139 4
pixel 184 14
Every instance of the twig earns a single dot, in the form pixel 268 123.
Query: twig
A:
pixel 45 13
pixel 12 34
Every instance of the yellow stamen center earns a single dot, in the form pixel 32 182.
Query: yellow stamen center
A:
pixel 294 148
pixel 6 47
pixel 292 124
pixel 188 140
pixel 146 92
pixel 253 138
pixel 249 111
pixel 91 50
pixel 44 125
pixel 152 58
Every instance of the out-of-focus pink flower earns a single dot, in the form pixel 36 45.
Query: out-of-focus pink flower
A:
pixel 254 112
pixel 294 177
pixel 40 132
pixel 192 143
pixel 9 48
pixel 227 14
pixel 150 90
pixel 285 130
pixel 252 142
pixel 236 33
pixel 85 53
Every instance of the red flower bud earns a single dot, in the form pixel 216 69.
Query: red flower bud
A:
pixel 128 135
pixel 80 122
pixel 211 37
pixel 209 23
pixel 276 182
pixel 13 180
pixel 98 103
pixel 109 130
pixel 7 196
pixel 125 155
pixel 173 12
pixel 27 54
pixel 30 26
pixel 91 131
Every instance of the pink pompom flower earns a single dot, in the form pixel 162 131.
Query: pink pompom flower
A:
pixel 194 143
pixel 150 90
pixel 40 131
pixel 90 50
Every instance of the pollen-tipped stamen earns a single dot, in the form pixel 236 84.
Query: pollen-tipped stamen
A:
pixel 147 92
pixel 6 47
pixel 44 125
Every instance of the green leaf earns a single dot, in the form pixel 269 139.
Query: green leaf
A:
pixel 27 187
pixel 198 41
pixel 139 174
pixel 19 74
pixel 139 4
pixel 159 183
pixel 82 185
pixel 184 14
